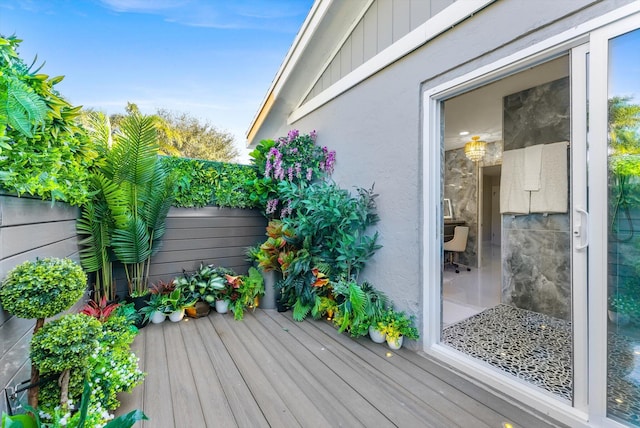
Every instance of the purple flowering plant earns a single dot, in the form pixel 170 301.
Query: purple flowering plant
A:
pixel 294 158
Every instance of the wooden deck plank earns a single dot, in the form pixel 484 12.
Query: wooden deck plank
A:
pixel 378 391
pixel 412 382
pixel 350 409
pixel 295 391
pixel 245 409
pixel 187 411
pixel 320 371
pixel 157 403
pixel 269 370
pixel 273 407
pixel 491 400
pixel 463 400
pixel 210 394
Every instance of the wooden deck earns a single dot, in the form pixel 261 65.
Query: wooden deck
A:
pixel 269 370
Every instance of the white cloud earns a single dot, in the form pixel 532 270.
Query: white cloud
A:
pixel 234 14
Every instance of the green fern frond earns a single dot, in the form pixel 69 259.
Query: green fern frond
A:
pixel 25 110
pixel 300 311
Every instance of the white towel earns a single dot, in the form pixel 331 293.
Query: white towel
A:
pixel 553 196
pixel 513 198
pixel 532 167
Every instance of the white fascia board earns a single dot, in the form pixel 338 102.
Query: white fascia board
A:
pixel 457 12
pixel 308 29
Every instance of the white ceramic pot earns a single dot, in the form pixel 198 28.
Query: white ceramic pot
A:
pixel 176 315
pixel 395 344
pixel 157 317
pixel 376 335
pixel 222 306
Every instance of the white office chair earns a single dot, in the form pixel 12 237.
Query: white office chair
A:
pixel 458 244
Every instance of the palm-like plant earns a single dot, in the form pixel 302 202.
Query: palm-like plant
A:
pixel 133 196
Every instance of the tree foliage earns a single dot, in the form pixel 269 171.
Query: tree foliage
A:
pixel 181 134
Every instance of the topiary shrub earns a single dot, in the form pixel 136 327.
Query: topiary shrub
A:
pixel 110 368
pixel 41 289
pixel 65 345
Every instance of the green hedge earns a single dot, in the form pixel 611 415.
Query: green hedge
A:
pixel 202 183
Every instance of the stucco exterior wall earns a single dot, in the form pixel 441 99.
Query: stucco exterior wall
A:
pixel 376 126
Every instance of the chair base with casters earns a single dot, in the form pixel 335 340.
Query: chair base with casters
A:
pixel 449 260
pixel 456 245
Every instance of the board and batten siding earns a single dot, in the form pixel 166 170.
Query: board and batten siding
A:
pixel 384 23
pixel 209 235
pixel 29 229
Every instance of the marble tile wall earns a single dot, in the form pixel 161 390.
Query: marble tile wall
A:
pixel 460 186
pixel 536 263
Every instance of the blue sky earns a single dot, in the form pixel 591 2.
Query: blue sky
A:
pixel 214 59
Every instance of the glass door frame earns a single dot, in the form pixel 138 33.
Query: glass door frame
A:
pixel 589 303
pixel 598 228
pixel 433 158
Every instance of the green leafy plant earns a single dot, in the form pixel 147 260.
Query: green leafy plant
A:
pixel 45 151
pixel 350 312
pixel 250 288
pixel 204 284
pixel 63 345
pixel 87 415
pixel 110 368
pixel 177 300
pixel 395 324
pixel 201 183
pixel 41 289
pixel 157 303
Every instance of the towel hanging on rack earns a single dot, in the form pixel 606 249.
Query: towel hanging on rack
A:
pixel 513 198
pixel 553 196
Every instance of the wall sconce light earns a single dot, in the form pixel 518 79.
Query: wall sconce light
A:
pixel 475 149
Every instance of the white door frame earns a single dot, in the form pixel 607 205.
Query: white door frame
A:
pixel 590 372
pixel 599 223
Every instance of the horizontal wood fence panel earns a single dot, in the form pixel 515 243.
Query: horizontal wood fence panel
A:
pixel 219 222
pixel 168 271
pixel 193 244
pixel 65 248
pixel 213 232
pixel 15 211
pixel 23 238
pixel 11 331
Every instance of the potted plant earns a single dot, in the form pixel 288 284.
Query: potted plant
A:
pixel 41 289
pixel 396 326
pixel 156 310
pixel 177 301
pixel 204 285
pixel 375 308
